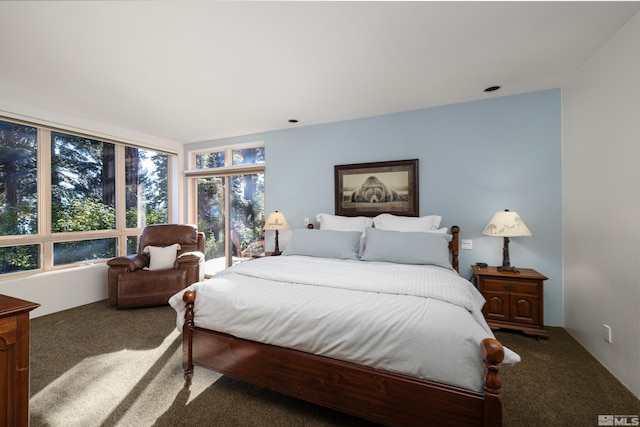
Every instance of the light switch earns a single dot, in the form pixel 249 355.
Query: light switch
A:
pixel 466 244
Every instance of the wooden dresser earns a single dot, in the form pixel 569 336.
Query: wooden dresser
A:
pixel 14 360
pixel 514 300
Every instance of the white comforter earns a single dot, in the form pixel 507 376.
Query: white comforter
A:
pixel 423 321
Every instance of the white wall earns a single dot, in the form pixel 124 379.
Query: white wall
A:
pixel 601 204
pixel 18 110
pixel 59 290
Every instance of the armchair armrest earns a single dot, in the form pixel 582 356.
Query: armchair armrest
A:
pixel 189 258
pixel 193 262
pixel 123 265
pixel 130 262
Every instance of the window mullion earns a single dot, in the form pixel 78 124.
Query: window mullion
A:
pixel 227 222
pixel 121 225
pixel 228 156
pixel 235 170
pixel 192 198
pixel 173 211
pixel 120 188
pixel 44 197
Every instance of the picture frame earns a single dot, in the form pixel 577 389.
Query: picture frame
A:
pixel 369 189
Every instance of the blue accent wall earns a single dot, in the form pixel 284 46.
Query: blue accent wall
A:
pixel 476 158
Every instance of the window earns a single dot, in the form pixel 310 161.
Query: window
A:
pixel 247 213
pixel 19 258
pixel 18 179
pixel 67 199
pixel 82 184
pixel 210 215
pixel 227 194
pixel 83 250
pixel 147 187
pixel 214 159
pixel 247 156
pixel 18 195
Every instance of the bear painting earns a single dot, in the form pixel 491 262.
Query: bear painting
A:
pixel 373 190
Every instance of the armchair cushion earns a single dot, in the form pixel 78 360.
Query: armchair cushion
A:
pixel 149 288
pixel 162 258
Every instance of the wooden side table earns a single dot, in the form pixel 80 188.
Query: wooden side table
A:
pixel 14 360
pixel 264 254
pixel 514 300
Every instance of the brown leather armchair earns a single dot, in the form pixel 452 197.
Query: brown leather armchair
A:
pixel 132 284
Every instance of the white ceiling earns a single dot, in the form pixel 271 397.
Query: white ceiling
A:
pixel 196 70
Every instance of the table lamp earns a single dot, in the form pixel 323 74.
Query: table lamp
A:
pixel 506 224
pixel 276 221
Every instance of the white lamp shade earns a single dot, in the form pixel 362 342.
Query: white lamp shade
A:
pixel 276 221
pixel 506 224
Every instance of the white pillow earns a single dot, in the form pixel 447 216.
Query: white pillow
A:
pixel 162 258
pixel 343 223
pixel 407 223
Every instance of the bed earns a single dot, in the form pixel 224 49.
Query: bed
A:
pixel 343 319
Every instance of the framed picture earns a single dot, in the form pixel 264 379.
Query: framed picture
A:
pixel 369 189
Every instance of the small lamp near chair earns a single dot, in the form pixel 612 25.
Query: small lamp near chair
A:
pixel 276 221
pixel 506 224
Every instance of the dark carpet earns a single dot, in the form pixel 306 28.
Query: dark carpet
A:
pixel 97 366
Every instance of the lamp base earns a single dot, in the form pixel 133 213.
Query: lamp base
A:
pixel 507 269
pixel 276 250
pixel 506 262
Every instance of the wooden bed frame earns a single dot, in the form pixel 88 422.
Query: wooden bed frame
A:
pixel 380 396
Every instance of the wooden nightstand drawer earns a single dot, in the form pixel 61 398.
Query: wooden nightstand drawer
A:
pixel 491 284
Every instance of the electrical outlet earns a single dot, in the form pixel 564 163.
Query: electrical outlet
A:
pixel 466 244
pixel 607 333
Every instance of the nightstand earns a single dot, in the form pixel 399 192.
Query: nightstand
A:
pixel 514 300
pixel 264 254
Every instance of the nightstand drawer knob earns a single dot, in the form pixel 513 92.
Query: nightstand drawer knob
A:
pixel 510 287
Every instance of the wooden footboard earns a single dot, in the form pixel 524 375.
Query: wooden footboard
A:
pixel 380 396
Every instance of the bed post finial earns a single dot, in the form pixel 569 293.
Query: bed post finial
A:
pixel 189 298
pixel 493 355
pixel 455 247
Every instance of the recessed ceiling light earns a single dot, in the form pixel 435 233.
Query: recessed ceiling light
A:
pixel 492 88
pixel 293 121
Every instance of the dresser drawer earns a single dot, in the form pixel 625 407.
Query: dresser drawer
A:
pixel 491 284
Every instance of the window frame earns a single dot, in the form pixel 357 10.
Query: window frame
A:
pixel 192 174
pixel 45 237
